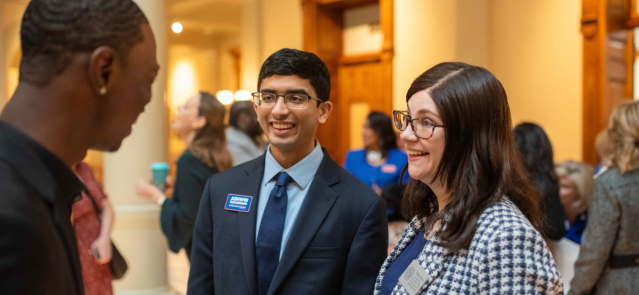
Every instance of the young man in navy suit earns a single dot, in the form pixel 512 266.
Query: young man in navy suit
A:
pixel 291 221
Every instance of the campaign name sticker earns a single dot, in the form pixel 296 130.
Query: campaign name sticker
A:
pixel 238 203
pixel 389 168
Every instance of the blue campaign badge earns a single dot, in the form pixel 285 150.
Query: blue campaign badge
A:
pixel 238 203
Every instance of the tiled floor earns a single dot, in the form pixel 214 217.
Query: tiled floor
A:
pixel 178 271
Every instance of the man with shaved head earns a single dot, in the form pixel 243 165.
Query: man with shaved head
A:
pixel 85 76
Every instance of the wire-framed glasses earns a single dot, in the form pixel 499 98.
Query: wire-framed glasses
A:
pixel 292 101
pixel 422 128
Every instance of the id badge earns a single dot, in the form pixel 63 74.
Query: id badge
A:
pixel 414 278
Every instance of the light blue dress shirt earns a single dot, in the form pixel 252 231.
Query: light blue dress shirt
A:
pixel 302 173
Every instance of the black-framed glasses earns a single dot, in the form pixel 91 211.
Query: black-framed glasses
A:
pixel 422 128
pixel 292 101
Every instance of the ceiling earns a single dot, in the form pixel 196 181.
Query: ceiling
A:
pixel 206 16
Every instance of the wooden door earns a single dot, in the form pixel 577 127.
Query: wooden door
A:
pixel 358 83
pixel 608 64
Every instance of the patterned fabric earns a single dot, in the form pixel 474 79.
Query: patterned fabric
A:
pixel 613 219
pixel 96 277
pixel 506 256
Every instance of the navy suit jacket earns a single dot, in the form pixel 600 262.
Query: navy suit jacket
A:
pixel 337 245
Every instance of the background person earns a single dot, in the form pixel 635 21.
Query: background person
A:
pixel 85 76
pixel 244 134
pixel 537 155
pixel 200 123
pixel 93 233
pixel 474 209
pixel 608 260
pixel 379 163
pixel 605 151
pixel 575 191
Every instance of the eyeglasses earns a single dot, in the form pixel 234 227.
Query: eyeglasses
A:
pixel 422 128
pixel 292 101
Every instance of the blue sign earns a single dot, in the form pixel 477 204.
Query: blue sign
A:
pixel 238 203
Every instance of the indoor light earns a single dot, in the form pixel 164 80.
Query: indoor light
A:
pixel 177 27
pixel 242 95
pixel 225 97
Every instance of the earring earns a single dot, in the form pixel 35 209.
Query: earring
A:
pixel 103 90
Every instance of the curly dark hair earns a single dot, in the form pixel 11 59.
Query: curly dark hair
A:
pixel 480 163
pixel 306 65
pixel 53 31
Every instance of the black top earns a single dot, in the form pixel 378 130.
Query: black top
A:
pixel 38 251
pixel 179 212
pixel 554 228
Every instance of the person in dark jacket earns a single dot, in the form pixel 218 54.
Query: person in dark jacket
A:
pixel 200 123
pixel 85 76
pixel 536 152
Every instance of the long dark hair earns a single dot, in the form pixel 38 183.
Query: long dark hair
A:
pixel 480 163
pixel 536 153
pixel 382 125
pixel 209 144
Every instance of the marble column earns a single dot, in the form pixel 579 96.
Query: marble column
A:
pixel 137 231
pixel 251 43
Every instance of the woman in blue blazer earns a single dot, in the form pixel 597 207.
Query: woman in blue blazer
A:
pixel 380 162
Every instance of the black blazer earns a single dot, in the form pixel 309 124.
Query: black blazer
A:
pixel 178 214
pixel 337 245
pixel 38 250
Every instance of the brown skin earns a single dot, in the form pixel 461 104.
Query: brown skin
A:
pixel 68 116
pixel 295 144
pixel 370 138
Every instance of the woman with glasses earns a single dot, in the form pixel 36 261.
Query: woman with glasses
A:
pixel 608 260
pixel 475 214
pixel 380 162
pixel 200 123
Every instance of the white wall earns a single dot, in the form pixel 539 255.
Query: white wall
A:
pixel 282 26
pixel 428 32
pixel 536 52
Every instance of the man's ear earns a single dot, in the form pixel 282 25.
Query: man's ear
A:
pixel 325 109
pixel 101 69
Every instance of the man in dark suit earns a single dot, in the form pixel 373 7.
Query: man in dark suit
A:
pixel 291 221
pixel 85 75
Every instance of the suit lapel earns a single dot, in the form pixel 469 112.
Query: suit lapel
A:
pixel 317 204
pixel 246 221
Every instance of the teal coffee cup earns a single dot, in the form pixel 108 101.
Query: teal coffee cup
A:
pixel 160 170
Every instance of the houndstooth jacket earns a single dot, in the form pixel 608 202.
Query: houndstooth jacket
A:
pixel 506 256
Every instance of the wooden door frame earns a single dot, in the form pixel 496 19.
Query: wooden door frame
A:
pixel 323 26
pixel 601 18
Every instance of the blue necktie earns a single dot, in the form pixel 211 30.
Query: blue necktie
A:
pixel 269 238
